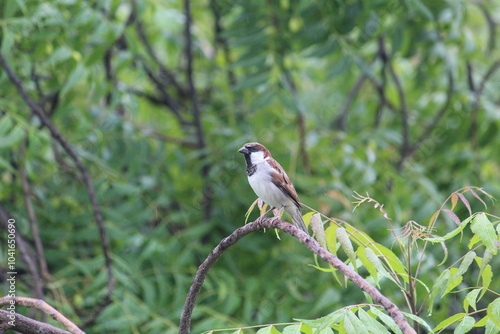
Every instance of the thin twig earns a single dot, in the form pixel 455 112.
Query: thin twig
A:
pixel 164 78
pixel 493 68
pixel 25 325
pixel 437 117
pixel 44 307
pixel 491 25
pixel 86 180
pixel 40 254
pixel 380 87
pixel 200 135
pixel 340 121
pixel 291 87
pixel 221 40
pixel 478 92
pixel 403 109
pixel 305 239
pixel 302 112
pixel 167 100
pixel 164 72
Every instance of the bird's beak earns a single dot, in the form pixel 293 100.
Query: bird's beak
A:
pixel 244 150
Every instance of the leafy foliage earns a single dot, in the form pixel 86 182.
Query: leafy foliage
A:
pixel 396 98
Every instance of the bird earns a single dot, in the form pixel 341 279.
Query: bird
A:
pixel 270 182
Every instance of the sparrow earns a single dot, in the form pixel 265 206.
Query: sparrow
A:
pixel 270 182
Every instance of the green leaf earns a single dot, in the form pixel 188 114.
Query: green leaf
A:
pixel 331 239
pixel 372 269
pixel 390 258
pixel 268 330
pixel 419 320
pixel 465 325
pixel 422 8
pixel 438 287
pixel 488 255
pixel 76 75
pixel 371 323
pixel 353 325
pixel 332 319
pixel 292 329
pixel 61 54
pixel 448 321
pixel 493 312
pixel 466 262
pixel 386 320
pixel 12 138
pixel 473 241
pixel 486 275
pixel 8 39
pixel 252 81
pixel 326 321
pixel 374 259
pixel 491 327
pixel 453 233
pixel 471 299
pixel 483 228
pixel 358 237
pixel 325 270
pixel 454 281
pixel 482 321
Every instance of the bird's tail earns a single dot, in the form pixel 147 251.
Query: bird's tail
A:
pixel 297 219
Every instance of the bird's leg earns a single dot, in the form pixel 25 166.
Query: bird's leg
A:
pixel 265 213
pixel 278 212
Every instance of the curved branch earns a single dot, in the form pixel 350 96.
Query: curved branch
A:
pixel 305 239
pixel 44 307
pixel 26 325
pixel 37 110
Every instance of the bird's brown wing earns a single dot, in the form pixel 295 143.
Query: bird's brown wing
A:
pixel 281 180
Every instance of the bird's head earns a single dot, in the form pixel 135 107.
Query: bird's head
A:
pixel 255 152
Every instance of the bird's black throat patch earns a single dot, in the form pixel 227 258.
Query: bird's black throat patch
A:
pixel 251 168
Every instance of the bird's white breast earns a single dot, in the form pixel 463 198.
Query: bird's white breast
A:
pixel 262 184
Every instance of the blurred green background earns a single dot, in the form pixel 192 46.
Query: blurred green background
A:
pixel 398 99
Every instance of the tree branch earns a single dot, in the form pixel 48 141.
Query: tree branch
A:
pixel 164 72
pixel 36 109
pixel 302 111
pixel 200 136
pixel 491 25
pixel 44 307
pixel 222 41
pixel 305 239
pixel 380 87
pixel 340 121
pixel 432 125
pixel 33 221
pixel 166 100
pixel 405 146
pixel 26 325
pixel 42 274
pixel 478 92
